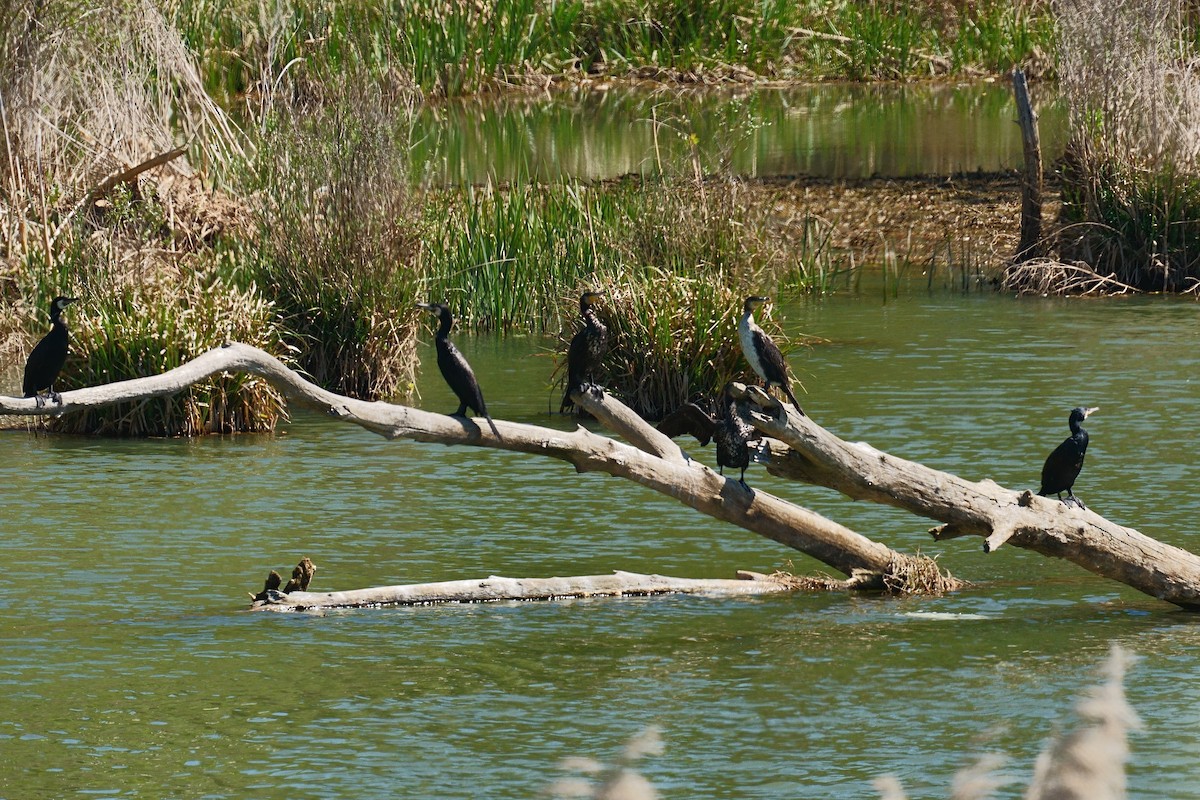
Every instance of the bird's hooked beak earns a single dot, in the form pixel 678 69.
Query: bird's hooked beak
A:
pixel 66 301
pixel 1087 412
pixel 427 306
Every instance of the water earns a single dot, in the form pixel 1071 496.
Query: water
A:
pixel 827 130
pixel 131 670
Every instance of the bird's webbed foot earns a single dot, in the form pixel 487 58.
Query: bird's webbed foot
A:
pixel 1073 500
pixel 55 398
pixel 39 401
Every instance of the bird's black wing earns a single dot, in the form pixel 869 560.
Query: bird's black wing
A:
pixel 45 362
pixel 460 377
pixel 1062 466
pixel 688 418
pixel 577 367
pixel 772 360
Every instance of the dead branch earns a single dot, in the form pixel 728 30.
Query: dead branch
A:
pixel 666 469
pixel 806 451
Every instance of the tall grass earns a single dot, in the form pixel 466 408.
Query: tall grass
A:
pixel 1131 178
pixel 339 239
pixel 676 257
pixel 454 47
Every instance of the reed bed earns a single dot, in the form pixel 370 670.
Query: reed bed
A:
pixel 454 47
pixel 676 258
pixel 1131 176
pixel 339 239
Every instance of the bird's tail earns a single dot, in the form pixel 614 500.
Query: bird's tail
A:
pixel 788 391
pixel 567 402
pixel 492 425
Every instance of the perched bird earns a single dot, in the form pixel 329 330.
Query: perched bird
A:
pixel 588 348
pixel 729 430
pixel 48 356
pixel 455 369
pixel 764 357
pixel 1063 465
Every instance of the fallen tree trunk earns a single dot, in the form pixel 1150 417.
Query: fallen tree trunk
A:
pixel 806 451
pixel 495 588
pixel 661 465
pixel 803 451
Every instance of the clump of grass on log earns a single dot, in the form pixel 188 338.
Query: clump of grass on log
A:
pixel 1131 177
pixel 339 240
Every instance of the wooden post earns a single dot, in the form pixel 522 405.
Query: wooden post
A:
pixel 1032 245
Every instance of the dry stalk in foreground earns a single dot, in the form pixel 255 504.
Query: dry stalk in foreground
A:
pixel 1087 764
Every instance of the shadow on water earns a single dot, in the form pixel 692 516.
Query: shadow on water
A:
pixel 826 130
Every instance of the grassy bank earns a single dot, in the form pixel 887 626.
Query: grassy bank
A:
pixel 452 47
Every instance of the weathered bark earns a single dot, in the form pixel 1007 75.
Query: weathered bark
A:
pixel 495 588
pixel 1032 245
pixel 806 451
pixel 665 468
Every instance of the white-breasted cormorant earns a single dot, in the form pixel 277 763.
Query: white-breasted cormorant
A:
pixel 588 348
pixel 763 355
pixel 729 430
pixel 48 356
pixel 1063 465
pixel 455 369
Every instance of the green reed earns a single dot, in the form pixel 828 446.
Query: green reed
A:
pixel 454 47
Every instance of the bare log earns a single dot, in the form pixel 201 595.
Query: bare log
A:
pixel 806 451
pixel 495 588
pixel 666 469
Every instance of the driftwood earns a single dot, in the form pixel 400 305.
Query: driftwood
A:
pixel 495 588
pixel 798 448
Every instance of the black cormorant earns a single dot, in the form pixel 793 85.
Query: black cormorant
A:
pixel 1063 465
pixel 587 350
pixel 48 356
pixel 729 430
pixel 761 352
pixel 455 369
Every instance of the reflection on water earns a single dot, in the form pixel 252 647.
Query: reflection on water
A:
pixel 129 668
pixel 828 130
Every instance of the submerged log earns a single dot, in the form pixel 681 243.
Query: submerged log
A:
pixel 495 588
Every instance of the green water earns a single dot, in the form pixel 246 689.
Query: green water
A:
pixel 129 668
pixel 826 130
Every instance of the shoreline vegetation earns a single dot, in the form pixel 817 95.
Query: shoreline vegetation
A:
pixel 298 226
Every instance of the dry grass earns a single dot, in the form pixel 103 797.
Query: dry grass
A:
pixel 1087 764
pixel 1131 177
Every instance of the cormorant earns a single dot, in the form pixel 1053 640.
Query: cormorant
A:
pixel 1063 465
pixel 761 352
pixel 48 356
pixel 729 430
pixel 587 350
pixel 455 369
